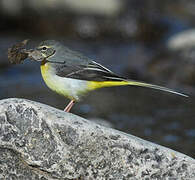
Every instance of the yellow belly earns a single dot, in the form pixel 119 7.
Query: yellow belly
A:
pixel 68 87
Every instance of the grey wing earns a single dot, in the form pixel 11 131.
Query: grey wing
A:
pixel 91 71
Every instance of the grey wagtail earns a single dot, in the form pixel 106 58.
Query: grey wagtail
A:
pixel 72 75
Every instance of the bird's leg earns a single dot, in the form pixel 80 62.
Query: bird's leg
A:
pixel 69 106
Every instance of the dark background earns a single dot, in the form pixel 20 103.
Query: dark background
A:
pixel 151 41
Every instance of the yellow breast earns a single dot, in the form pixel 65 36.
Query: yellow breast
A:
pixel 47 74
pixel 68 87
pixel 44 70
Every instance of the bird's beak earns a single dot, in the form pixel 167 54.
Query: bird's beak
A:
pixel 36 55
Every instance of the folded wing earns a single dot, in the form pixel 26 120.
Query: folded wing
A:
pixel 90 72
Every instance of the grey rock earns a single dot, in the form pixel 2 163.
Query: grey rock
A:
pixel 182 40
pixel 41 142
pixel 102 122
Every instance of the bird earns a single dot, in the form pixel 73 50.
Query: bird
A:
pixel 72 75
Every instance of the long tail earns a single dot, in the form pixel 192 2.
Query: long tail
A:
pixel 100 84
pixel 142 84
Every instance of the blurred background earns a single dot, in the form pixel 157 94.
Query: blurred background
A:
pixel 151 41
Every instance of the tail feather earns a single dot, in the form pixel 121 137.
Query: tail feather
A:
pixel 100 84
pixel 142 84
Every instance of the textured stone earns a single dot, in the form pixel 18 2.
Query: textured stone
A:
pixel 41 142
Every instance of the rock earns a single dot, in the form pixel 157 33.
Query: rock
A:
pixel 41 142
pixel 102 122
pixel 182 40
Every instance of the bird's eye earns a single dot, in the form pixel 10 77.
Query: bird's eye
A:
pixel 44 48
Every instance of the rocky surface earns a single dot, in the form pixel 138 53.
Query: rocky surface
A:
pixel 41 142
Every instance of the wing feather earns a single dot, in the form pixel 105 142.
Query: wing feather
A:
pixel 90 72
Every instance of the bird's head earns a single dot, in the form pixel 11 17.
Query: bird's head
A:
pixel 45 50
pixel 48 48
